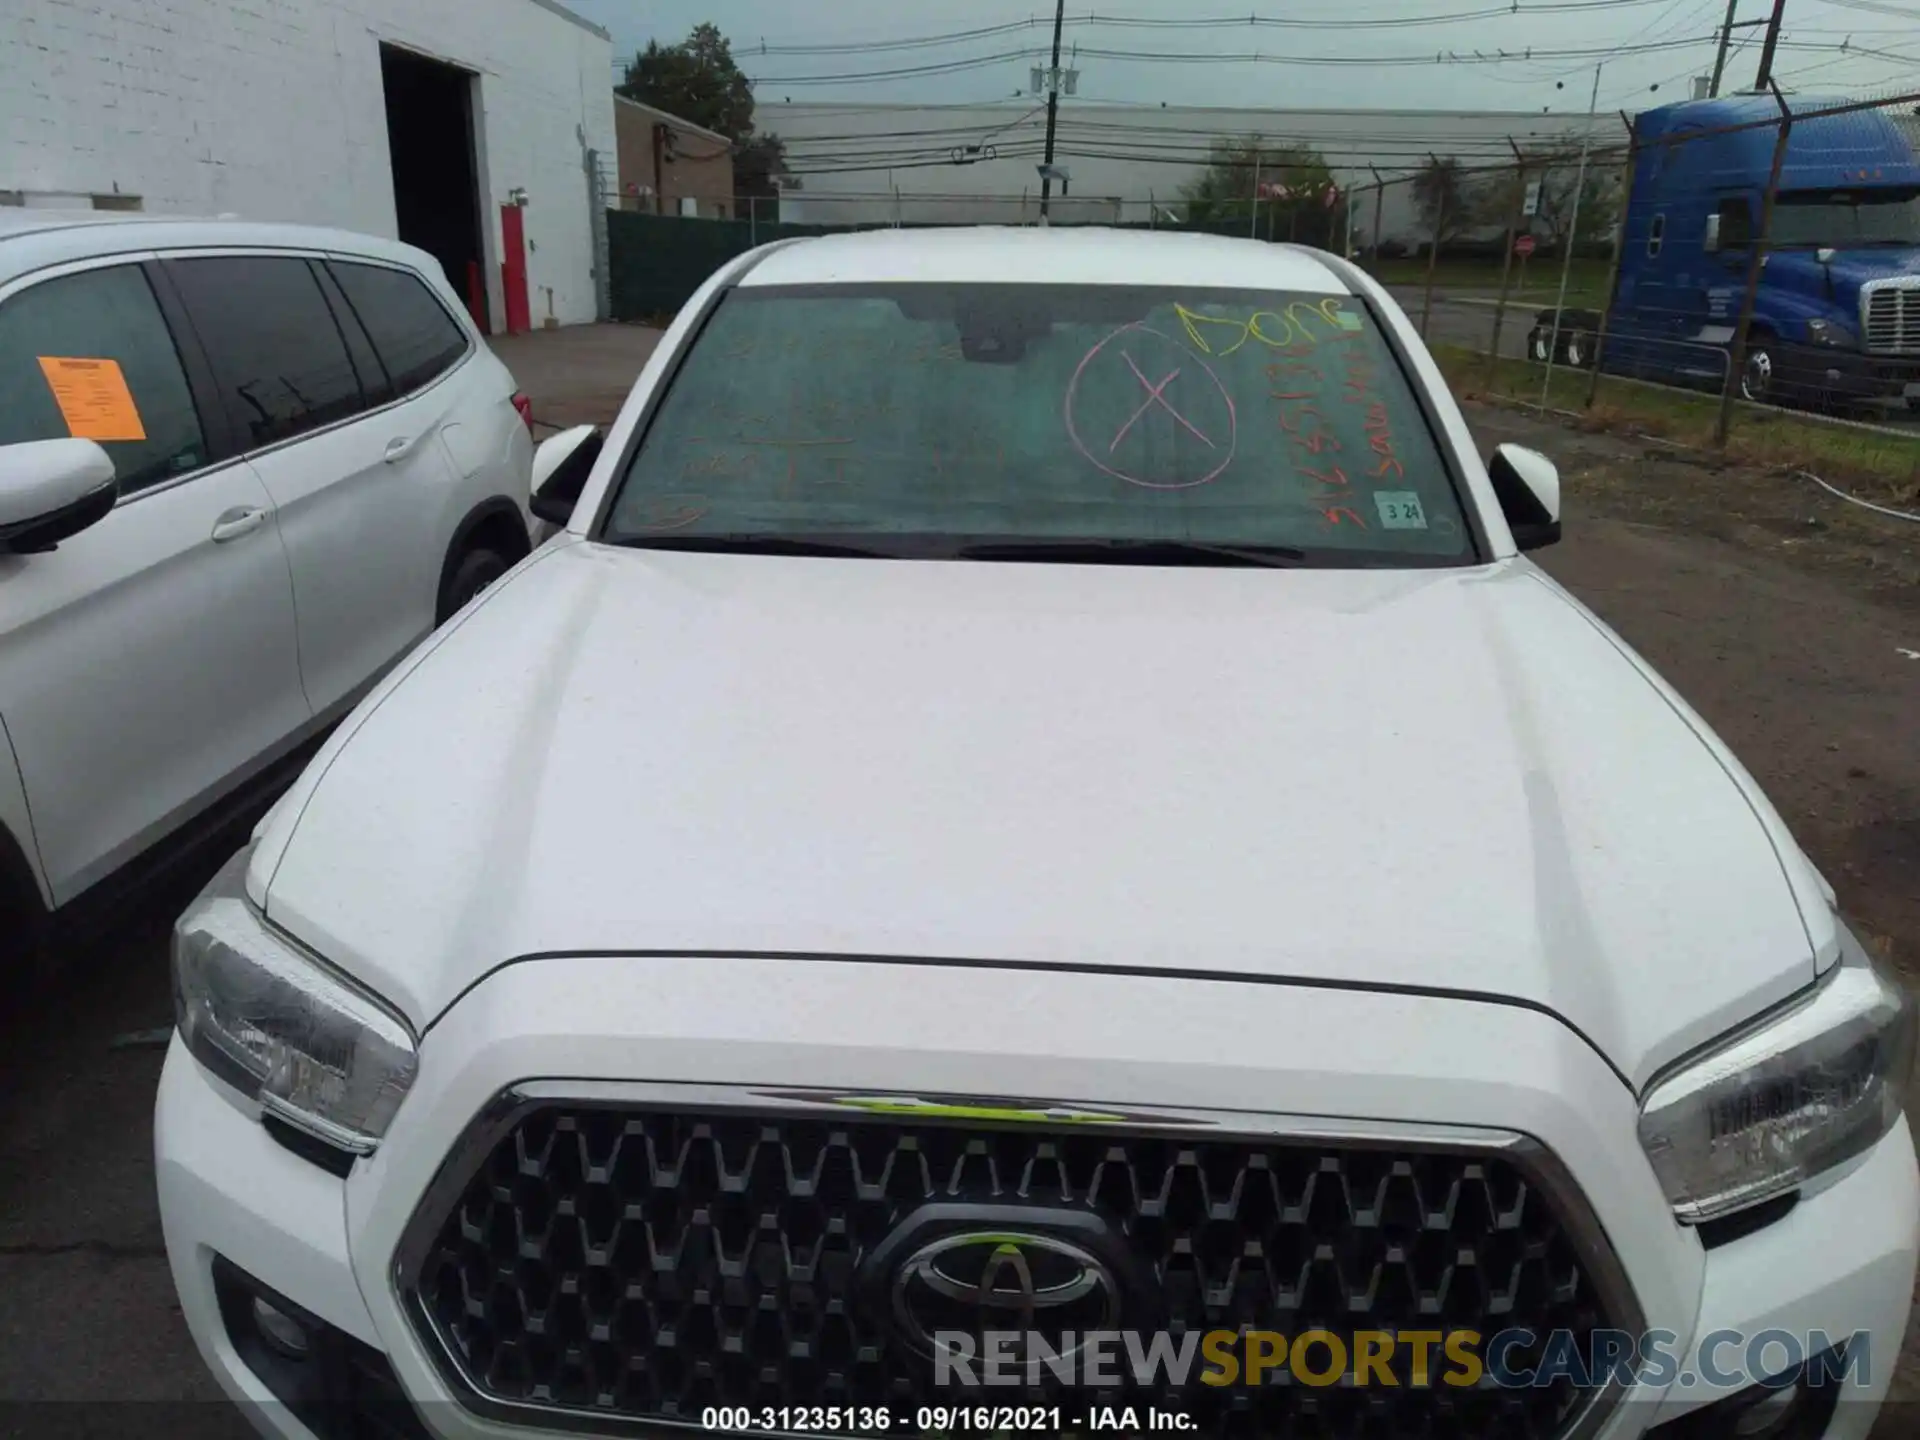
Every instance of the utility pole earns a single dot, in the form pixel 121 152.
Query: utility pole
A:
pixel 1765 77
pixel 1726 38
pixel 1053 106
pixel 1573 236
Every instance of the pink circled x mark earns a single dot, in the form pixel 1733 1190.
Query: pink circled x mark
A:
pixel 1156 395
pixel 1070 402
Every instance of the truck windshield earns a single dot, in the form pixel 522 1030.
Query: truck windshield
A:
pixel 1068 423
pixel 1840 218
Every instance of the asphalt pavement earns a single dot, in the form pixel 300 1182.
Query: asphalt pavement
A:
pixel 91 1337
pixel 1466 319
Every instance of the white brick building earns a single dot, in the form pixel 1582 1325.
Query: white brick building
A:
pixel 418 119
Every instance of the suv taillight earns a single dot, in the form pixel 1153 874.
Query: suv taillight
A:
pixel 525 407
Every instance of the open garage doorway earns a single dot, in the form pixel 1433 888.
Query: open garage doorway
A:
pixel 433 140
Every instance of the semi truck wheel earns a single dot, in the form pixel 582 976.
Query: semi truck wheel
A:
pixel 1758 376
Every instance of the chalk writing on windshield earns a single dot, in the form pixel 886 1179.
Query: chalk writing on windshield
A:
pixel 1145 409
pixel 651 514
pixel 1308 383
pixel 1357 388
pixel 1301 324
pixel 793 447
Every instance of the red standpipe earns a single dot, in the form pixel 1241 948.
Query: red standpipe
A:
pixel 513 269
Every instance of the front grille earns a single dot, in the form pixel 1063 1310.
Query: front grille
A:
pixel 1891 316
pixel 634 1262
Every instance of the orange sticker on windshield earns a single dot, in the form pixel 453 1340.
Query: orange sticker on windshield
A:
pixel 93 398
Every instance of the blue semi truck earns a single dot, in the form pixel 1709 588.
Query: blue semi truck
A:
pixel 1836 320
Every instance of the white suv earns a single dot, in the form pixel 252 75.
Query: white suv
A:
pixel 1036 816
pixel 243 468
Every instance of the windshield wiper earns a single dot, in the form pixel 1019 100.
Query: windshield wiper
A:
pixel 1136 552
pixel 754 545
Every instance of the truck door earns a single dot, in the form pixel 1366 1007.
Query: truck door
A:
pixel 1711 291
pixel 1647 306
pixel 1641 319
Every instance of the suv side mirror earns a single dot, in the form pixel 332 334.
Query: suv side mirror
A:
pixel 560 469
pixel 1528 487
pixel 1712 241
pixel 51 489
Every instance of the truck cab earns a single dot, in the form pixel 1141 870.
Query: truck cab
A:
pixel 1836 320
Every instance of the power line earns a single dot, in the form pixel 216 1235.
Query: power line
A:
pixel 1598 154
pixel 1877 7
pixel 939 67
pixel 1273 127
pixel 1512 9
pixel 1253 57
pixel 1670 22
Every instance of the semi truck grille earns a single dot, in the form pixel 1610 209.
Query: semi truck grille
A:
pixel 1891 316
pixel 612 1263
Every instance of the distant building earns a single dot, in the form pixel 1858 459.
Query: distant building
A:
pixel 979 163
pixel 421 120
pixel 670 166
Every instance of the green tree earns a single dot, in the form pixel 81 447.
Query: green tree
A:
pixel 1225 190
pixel 756 163
pixel 1601 193
pixel 696 80
pixel 1449 199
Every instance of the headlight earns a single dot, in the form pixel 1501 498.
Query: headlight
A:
pixel 1826 332
pixel 274 1021
pixel 1787 1099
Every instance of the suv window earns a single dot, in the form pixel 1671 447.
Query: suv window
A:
pixel 413 333
pixel 274 346
pixel 99 315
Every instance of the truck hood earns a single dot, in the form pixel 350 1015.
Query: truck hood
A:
pixel 1800 271
pixel 1451 781
pixel 1852 268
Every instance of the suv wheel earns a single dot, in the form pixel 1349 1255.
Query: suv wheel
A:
pixel 478 569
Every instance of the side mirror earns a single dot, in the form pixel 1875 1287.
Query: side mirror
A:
pixel 1712 241
pixel 560 469
pixel 1528 488
pixel 50 489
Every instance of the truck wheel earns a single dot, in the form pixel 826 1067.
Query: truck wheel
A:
pixel 1540 345
pixel 1579 350
pixel 1757 379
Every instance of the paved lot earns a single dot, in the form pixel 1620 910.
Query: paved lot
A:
pixel 1800 672
pixel 579 375
pixel 1466 319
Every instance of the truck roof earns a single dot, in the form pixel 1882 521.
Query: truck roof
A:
pixel 1861 148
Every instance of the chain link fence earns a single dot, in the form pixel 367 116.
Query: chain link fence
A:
pixel 602 191
pixel 1724 264
pixel 1718 261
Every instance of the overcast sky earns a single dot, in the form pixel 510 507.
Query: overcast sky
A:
pixel 1810 59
